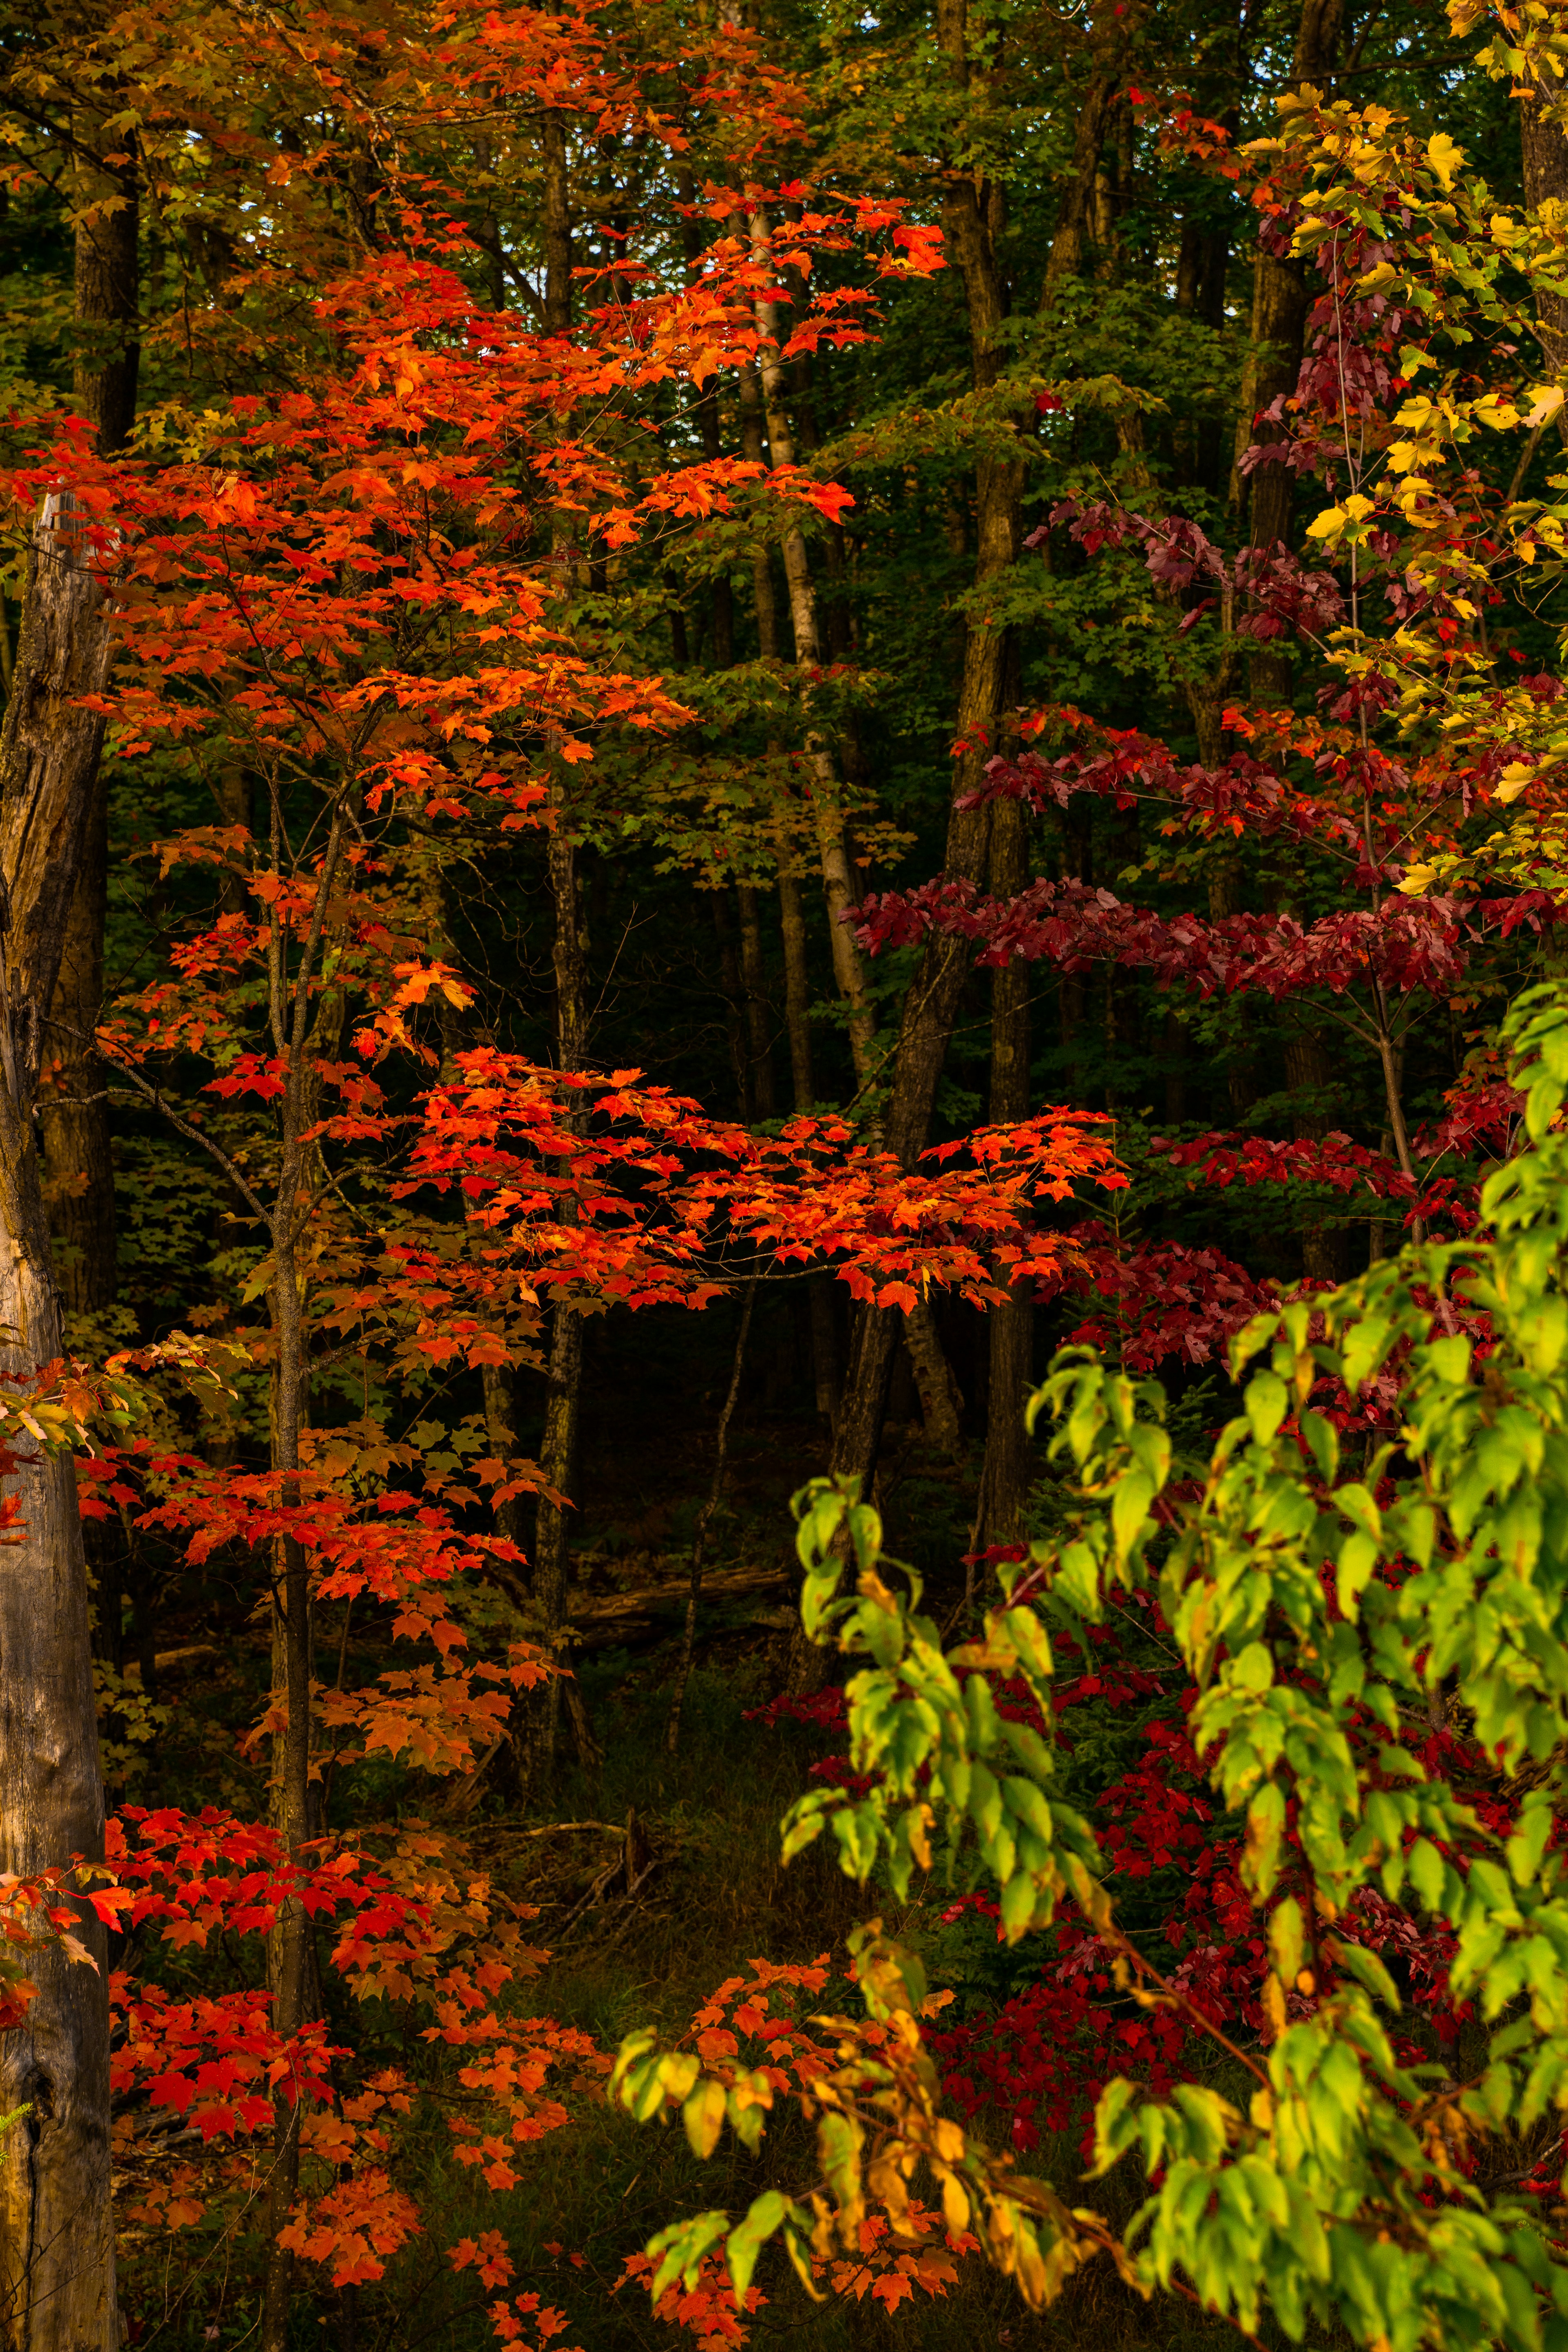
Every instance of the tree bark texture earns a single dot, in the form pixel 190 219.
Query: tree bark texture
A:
pixel 57 2240
pixel 108 356
pixel 1546 152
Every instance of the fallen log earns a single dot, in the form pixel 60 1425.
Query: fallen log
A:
pixel 602 1620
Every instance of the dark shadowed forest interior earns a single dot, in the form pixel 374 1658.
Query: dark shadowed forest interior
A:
pixel 784 1292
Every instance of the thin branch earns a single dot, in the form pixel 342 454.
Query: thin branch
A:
pixel 155 1097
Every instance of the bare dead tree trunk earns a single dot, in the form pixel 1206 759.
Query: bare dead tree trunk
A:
pixel 56 2236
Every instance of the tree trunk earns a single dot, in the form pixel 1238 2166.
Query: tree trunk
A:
pixel 763 597
pixel 73 1108
pixel 1546 152
pixel 1280 303
pixel 558 1448
pixel 797 1018
pixel 972 219
pixel 108 356
pixel 56 2239
pixel 760 1059
pixel 1004 1478
pixel 734 1009
pixel 837 883
pixel 293 1973
pixel 1086 221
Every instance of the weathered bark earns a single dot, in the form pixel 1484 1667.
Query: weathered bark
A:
pixel 1010 1329
pixel 1544 144
pixel 56 2241
pixel 557 224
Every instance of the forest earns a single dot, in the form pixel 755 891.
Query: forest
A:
pixel 784 1175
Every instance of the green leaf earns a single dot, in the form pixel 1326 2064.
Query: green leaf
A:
pixel 677 2071
pixel 1018 1900
pixel 1323 1442
pixel 1353 1571
pixel 677 2252
pixel 1365 1345
pixel 1366 1968
pixel 1129 1509
pixel 1268 1401
pixel 1286 1935
pixel 703 2117
pixel 839 2140
pixel 1531 1830
pixel 748 2238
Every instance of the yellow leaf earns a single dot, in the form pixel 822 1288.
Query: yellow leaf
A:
pixel 1513 780
pixel 1445 158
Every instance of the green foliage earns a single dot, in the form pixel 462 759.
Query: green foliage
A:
pixel 1327 1610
